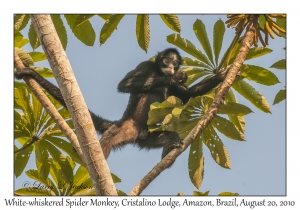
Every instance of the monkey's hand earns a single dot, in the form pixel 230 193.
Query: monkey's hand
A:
pixel 20 73
pixel 179 78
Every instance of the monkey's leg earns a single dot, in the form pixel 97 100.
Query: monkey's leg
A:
pixel 118 135
pixel 167 140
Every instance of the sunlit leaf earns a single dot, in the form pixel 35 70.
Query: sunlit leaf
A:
pixel 216 147
pixel 218 34
pixel 228 194
pixel 81 18
pixel 143 31
pixel 259 75
pixel 37 56
pixel 196 193
pixel 24 56
pixel 196 163
pixel 60 29
pixel 201 34
pixel 256 52
pixel 281 64
pixel 188 47
pixel 33 38
pixel 234 108
pixel 194 74
pixel 21 160
pixel 171 21
pixel 252 95
pixel 85 32
pixel 227 128
pixel 20 21
pixel 280 96
pixel 109 27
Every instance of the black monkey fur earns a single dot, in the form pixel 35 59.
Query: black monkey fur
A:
pixel 147 83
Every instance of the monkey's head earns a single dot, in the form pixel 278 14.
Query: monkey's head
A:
pixel 168 61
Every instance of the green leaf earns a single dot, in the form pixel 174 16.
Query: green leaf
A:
pixel 188 47
pixel 37 56
pixel 21 160
pixel 196 163
pixel 20 21
pixel 219 30
pixel 19 40
pixel 235 109
pixel 227 128
pixel 115 178
pixel 121 193
pixel 196 193
pixel 157 113
pixel 65 168
pixel 216 147
pixel 228 194
pixel 24 56
pixel 34 191
pixel 80 19
pixel 21 100
pixel 259 75
pixel 33 38
pixel 194 74
pixel 262 21
pixel 143 31
pixel 60 29
pixel 85 32
pixel 21 43
pixel 282 23
pixel 193 62
pixel 172 22
pixel 41 159
pixel 109 27
pixel 252 95
pixel 35 175
pixel 66 147
pixel 200 32
pixel 44 72
pixel 238 121
pixel 281 64
pixel 280 96
pixel 104 16
pixel 256 52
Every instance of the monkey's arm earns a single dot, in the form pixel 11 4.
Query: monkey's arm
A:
pixel 198 89
pixel 100 123
pixel 144 78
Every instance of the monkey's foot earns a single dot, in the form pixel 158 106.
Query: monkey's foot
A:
pixel 176 144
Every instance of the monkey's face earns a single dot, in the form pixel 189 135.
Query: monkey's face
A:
pixel 169 63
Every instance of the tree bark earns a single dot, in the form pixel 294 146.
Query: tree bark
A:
pixel 210 113
pixel 86 134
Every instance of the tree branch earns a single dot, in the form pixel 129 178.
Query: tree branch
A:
pixel 86 134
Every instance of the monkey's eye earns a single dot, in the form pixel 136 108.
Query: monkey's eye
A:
pixel 170 60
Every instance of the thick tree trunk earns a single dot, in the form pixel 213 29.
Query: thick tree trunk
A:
pixel 209 115
pixel 86 134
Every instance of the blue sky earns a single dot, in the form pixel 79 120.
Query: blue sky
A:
pixel 258 166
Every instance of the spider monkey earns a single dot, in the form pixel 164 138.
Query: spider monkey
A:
pixel 150 81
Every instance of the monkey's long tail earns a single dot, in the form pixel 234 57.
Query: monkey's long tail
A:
pixel 101 124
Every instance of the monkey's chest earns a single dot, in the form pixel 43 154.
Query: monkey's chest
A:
pixel 143 104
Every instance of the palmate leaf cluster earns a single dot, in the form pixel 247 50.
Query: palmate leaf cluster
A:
pixel 171 115
pixel 36 132
pixel 84 31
